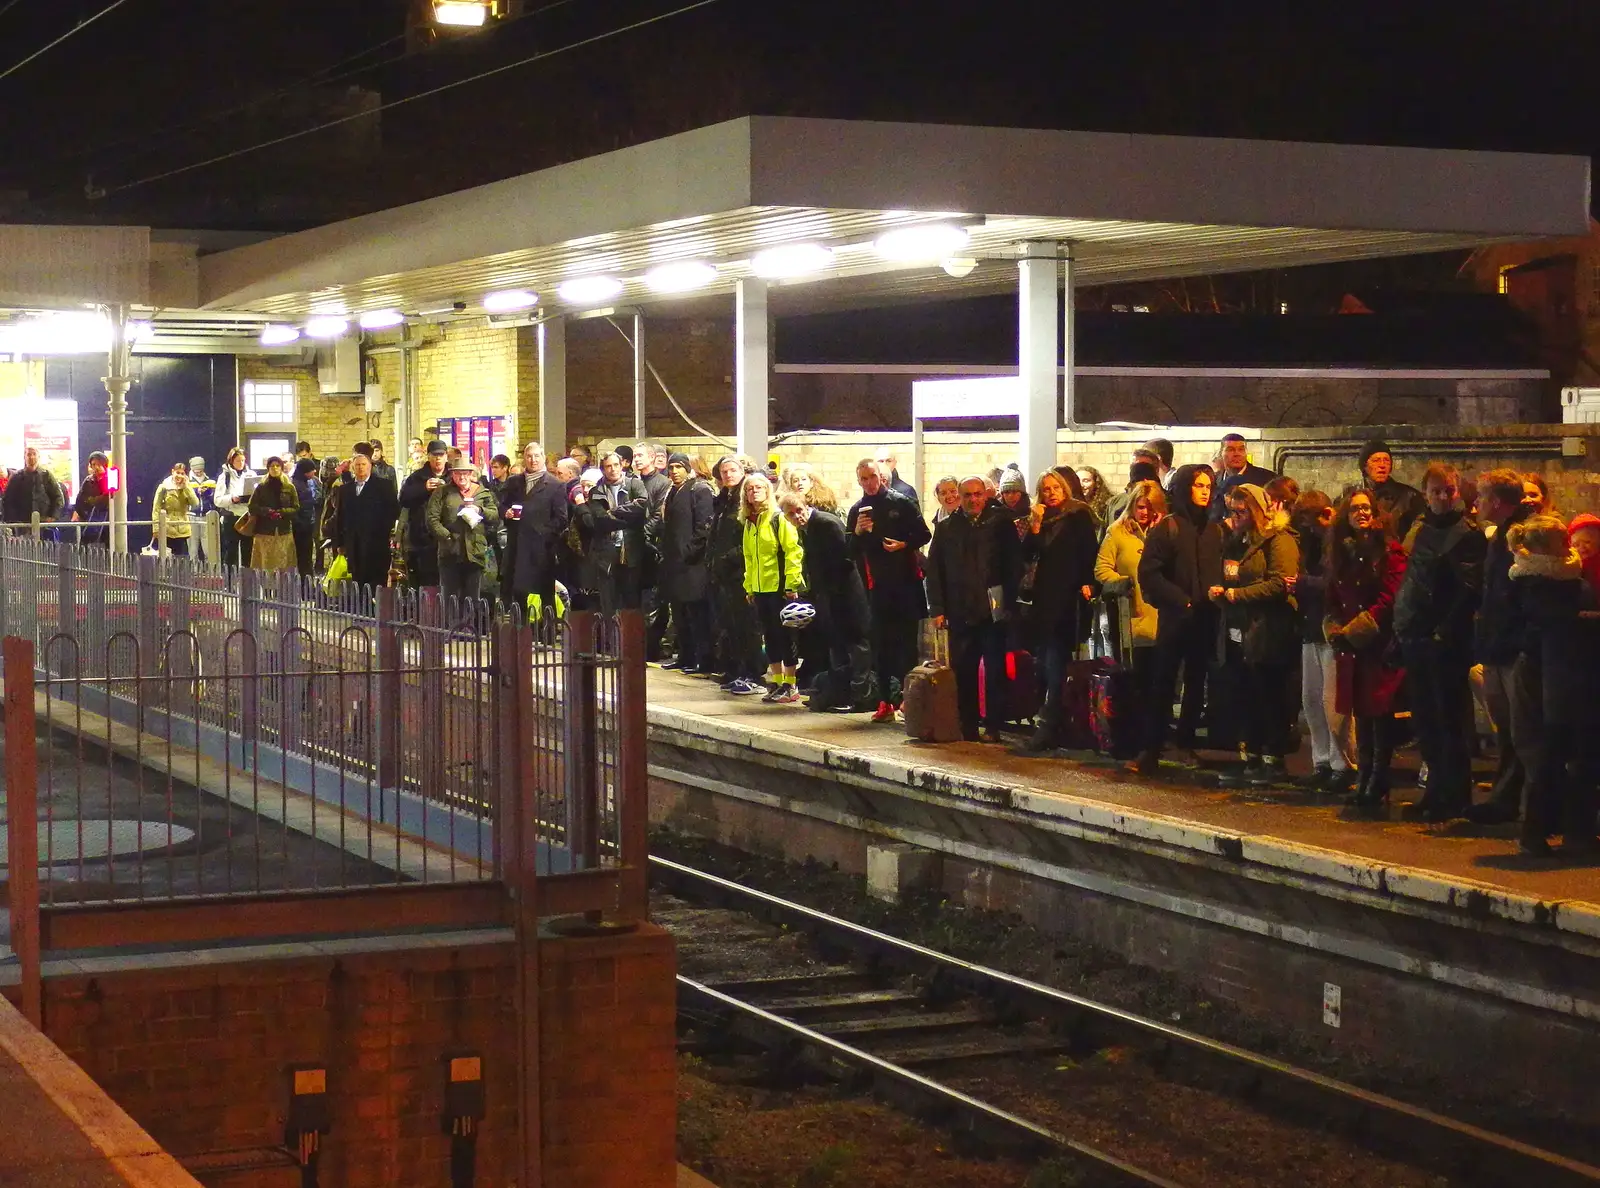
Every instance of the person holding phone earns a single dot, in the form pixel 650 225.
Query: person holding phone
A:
pixel 886 530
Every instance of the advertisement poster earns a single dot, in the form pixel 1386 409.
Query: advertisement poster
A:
pixel 49 426
pixel 479 438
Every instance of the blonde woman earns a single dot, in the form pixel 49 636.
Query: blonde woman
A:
pixel 801 480
pixel 773 573
pixel 1116 568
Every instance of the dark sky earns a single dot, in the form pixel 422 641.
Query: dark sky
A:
pixel 1495 75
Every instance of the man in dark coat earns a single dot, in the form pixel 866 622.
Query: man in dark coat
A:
pixel 1511 679
pixel 833 586
pixel 32 489
pixel 1182 560
pixel 362 522
pixel 886 530
pixel 974 566
pixel 1236 468
pixel 612 519
pixel 650 468
pixel 1398 504
pixel 889 465
pixel 536 509
pixel 1433 621
pixel 422 551
pixel 681 579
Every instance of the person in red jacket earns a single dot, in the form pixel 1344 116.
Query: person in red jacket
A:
pixel 1364 566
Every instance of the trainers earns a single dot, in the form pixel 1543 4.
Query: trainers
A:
pixel 731 686
pixel 787 695
pixel 744 688
pixel 884 712
pixel 774 691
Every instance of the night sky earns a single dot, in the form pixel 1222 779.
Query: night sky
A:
pixel 104 104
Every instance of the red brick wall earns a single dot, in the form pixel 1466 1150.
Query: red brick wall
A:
pixel 197 1055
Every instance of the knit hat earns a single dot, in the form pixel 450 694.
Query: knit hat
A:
pixel 679 460
pixel 1012 480
pixel 1376 446
pixel 197 463
pixel 305 466
pixel 591 476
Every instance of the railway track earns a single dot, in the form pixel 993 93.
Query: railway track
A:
pixel 961 1044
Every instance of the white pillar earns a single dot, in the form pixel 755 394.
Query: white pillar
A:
pixel 117 382
pixel 553 386
pixel 1039 270
pixel 640 377
pixel 1069 343
pixel 752 367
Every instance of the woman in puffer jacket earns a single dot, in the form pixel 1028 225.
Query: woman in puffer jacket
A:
pixel 1364 567
pixel 1563 614
pixel 1261 633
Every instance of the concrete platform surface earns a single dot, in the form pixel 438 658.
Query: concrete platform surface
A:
pixel 1456 865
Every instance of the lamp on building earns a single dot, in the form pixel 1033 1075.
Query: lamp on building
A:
pixel 327 326
pixel 791 259
pixel 925 241
pixel 463 14
pixel 680 277
pixel 381 319
pixel 279 335
pixel 509 301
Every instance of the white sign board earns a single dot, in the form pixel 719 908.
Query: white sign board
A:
pixel 976 396
pixel 49 426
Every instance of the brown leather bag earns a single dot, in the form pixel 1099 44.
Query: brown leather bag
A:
pixel 245 525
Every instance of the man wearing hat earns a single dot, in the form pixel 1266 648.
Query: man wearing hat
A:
pixel 460 515
pixel 1397 503
pixel 422 551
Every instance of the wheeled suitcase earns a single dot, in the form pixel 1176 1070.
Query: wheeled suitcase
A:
pixel 1022 696
pixel 1077 700
pixel 1114 702
pixel 929 697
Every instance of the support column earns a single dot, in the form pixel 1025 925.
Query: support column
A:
pixel 1039 269
pixel 1069 344
pixel 640 377
pixel 552 387
pixel 752 368
pixel 117 382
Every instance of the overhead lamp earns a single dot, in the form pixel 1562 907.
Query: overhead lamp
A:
pixel 925 241
pixel 461 14
pixel 381 319
pixel 680 277
pixel 138 331
pixel 959 266
pixel 589 290
pixel 509 301
pixel 327 326
pixel 278 335
pixel 791 259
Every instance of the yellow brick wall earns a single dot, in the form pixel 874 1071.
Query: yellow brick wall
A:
pixel 332 424
pixel 464 371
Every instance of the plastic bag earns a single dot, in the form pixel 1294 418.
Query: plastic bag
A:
pixel 338 574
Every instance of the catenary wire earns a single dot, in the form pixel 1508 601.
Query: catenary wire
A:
pixel 76 29
pixel 382 107
pixel 327 76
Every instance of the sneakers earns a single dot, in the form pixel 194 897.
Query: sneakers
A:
pixel 787 695
pixel 742 687
pixel 884 712
pixel 774 691
pixel 731 685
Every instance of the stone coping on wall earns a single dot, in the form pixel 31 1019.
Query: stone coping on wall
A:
pixel 1113 823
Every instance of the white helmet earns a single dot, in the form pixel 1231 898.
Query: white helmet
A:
pixel 797 615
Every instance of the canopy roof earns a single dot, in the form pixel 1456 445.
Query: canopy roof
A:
pixel 1132 206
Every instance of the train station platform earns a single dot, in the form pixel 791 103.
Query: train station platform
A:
pixel 1253 891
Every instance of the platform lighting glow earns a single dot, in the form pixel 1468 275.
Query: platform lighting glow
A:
pixel 279 335
pixel 381 319
pixel 680 277
pixel 791 259
pixel 75 332
pixel 138 331
pixel 926 241
pixel 509 301
pixel 462 14
pixel 959 266
pixel 327 326
pixel 589 290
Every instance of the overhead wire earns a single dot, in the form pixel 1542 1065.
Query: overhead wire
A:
pixel 8 6
pixel 403 100
pixel 72 32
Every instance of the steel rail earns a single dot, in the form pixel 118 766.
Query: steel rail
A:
pixel 902 1083
pixel 1393 1126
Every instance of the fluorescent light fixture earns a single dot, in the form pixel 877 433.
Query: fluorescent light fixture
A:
pixel 680 277
pixel 791 259
pixel 589 290
pixel 278 335
pixel 381 319
pixel 925 241
pixel 509 301
pixel 462 14
pixel 327 326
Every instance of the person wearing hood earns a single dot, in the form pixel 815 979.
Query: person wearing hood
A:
pixel 1365 566
pixel 1058 553
pixel 1259 557
pixel 1397 504
pixel 1433 622
pixel 309 491
pixel 1182 560
pixel 1563 613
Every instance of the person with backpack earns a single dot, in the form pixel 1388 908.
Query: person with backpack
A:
pixel 774 570
pixel 974 566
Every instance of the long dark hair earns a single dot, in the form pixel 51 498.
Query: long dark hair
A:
pixel 1357 549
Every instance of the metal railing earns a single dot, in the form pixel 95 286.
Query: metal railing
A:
pixel 209 538
pixel 225 735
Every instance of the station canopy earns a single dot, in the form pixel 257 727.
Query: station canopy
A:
pixel 716 202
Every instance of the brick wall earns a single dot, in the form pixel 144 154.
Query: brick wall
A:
pixel 693 355
pixel 466 371
pixel 197 1055
pixel 332 424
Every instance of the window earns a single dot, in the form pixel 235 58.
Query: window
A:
pixel 269 402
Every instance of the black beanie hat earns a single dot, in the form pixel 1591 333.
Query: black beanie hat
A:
pixel 1376 446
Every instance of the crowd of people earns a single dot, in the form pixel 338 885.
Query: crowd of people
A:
pixel 1233 604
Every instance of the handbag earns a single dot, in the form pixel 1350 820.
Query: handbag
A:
pixel 245 525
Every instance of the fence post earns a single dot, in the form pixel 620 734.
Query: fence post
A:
pixel 633 776
pixel 5 583
pixel 578 742
pixel 94 619
pixel 386 704
pixel 250 623
pixel 212 528
pixel 67 607
pixel 161 532
pixel 22 821
pixel 38 525
pixel 430 676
